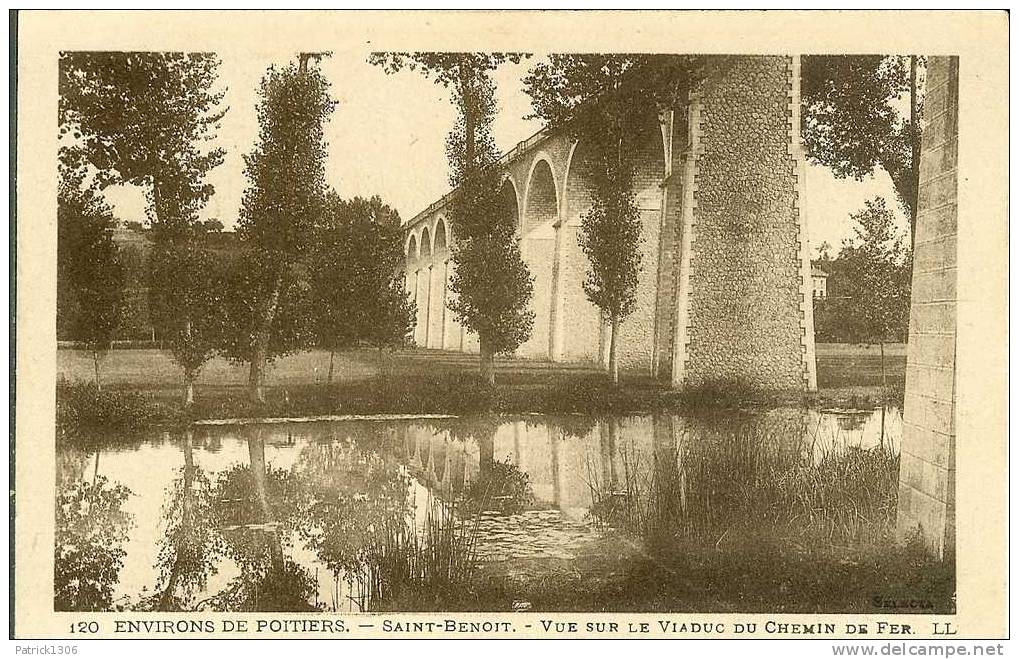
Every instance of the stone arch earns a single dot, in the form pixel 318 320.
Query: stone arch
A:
pixel 438 285
pixel 638 340
pixel 509 197
pixel 537 247
pixel 426 244
pixel 411 249
pixel 440 239
pixel 541 196
pixel 423 288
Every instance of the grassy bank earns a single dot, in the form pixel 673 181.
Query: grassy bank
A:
pixel 141 389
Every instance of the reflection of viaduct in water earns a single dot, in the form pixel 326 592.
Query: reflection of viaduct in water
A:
pixel 725 287
pixel 568 467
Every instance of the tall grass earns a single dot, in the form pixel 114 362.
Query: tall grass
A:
pixel 750 480
pixel 406 568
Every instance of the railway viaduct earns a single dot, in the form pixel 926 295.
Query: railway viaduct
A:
pixel 724 289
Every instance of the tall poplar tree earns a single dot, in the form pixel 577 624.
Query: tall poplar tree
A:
pixel 490 285
pixel 282 205
pixel 604 101
pixel 356 277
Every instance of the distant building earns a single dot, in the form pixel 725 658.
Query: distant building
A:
pixel 820 279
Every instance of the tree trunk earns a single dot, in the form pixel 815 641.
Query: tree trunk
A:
pixel 95 364
pixel 613 362
pixel 915 139
pixel 260 349
pixel 487 360
pixel 189 375
pixel 189 390
pixel 329 379
pixel 882 343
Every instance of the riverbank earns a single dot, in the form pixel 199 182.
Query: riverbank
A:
pixel 141 388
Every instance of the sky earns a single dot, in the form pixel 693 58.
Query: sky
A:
pixel 387 137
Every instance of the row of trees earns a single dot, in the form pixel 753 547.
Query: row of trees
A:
pixel 141 118
pixel 313 268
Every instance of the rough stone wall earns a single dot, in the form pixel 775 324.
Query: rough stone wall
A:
pixel 744 316
pixel 927 463
pixel 668 281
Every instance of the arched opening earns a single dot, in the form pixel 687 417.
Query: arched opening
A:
pixel 424 286
pixel 537 246
pixel 542 203
pixel 508 199
pixel 638 344
pixel 437 286
pixel 440 236
pixel 412 251
pixel 426 244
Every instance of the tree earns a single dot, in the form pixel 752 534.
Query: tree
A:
pixel 870 280
pixel 490 285
pixel 851 124
pixel 141 118
pixel 602 99
pixel 283 203
pixel 357 289
pixel 90 275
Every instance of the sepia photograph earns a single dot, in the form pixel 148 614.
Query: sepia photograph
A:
pixel 383 329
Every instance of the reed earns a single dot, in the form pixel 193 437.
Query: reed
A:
pixel 407 568
pixel 746 482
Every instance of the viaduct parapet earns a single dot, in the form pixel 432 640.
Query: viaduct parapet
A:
pixel 724 291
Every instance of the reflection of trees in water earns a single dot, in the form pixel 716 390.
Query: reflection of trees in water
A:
pixel 355 496
pixel 190 546
pixel 362 524
pixel 258 509
pixel 91 528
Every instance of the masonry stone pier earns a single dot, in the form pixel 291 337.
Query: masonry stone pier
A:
pixel 927 462
pixel 724 289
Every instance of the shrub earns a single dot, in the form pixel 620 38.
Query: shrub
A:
pixel 82 408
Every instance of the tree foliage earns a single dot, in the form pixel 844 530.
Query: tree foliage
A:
pixel 491 286
pixel 282 205
pixel 143 118
pixel 90 274
pixel 868 283
pixel 90 530
pixel 607 102
pixel 356 277
pixel 850 120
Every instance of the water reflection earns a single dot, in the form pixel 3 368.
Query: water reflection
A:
pixel 402 514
